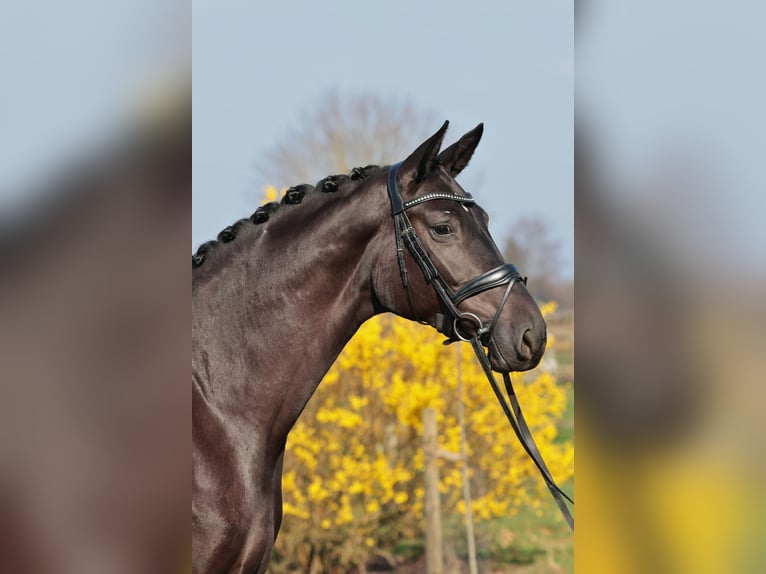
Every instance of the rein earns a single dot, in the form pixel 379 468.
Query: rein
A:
pixel 449 321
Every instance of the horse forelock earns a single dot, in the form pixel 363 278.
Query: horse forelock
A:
pixel 293 196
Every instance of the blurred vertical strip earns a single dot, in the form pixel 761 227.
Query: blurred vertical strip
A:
pixel 95 221
pixel 669 234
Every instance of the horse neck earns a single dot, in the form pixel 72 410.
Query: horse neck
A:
pixel 283 305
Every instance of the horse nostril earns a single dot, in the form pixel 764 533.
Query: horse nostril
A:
pixel 530 344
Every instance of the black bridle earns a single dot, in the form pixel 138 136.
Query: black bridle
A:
pixel 448 322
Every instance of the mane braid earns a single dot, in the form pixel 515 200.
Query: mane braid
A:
pixel 295 194
pixel 292 196
pixel 202 251
pixel 230 233
pixel 262 214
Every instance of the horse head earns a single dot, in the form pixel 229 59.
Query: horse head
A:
pixel 463 287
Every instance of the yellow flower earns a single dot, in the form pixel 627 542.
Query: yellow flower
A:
pixel 356 454
pixel 270 193
pixel 372 507
pixel 548 308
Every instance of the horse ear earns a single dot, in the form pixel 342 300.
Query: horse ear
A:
pixel 456 157
pixel 420 162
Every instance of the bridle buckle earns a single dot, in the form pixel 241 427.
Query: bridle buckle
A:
pixel 466 315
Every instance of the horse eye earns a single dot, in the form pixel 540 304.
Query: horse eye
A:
pixel 443 229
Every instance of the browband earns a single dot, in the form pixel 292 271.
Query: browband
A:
pixel 398 206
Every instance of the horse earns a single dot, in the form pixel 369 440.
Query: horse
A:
pixel 278 295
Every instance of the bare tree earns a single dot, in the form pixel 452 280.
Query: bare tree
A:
pixel 343 132
pixel 537 254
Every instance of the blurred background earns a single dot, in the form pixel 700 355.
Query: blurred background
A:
pixel 670 280
pixel 95 220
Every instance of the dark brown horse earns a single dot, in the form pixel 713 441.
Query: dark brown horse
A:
pixel 275 300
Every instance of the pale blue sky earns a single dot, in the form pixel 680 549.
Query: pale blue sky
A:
pixel 675 93
pixel 69 70
pixel 660 79
pixel 258 66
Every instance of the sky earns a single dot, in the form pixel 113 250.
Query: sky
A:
pixel 655 89
pixel 69 72
pixel 258 66
pixel 673 94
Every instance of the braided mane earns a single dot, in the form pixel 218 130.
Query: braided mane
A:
pixel 293 196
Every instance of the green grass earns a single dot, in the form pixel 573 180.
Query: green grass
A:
pixel 409 549
pixel 532 542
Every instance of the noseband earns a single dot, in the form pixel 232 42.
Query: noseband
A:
pixel 448 322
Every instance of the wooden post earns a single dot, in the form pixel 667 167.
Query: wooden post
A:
pixel 472 564
pixel 433 515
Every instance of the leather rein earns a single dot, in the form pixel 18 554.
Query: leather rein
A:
pixel 448 322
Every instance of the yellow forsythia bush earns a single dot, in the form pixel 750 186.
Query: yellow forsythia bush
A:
pixel 353 477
